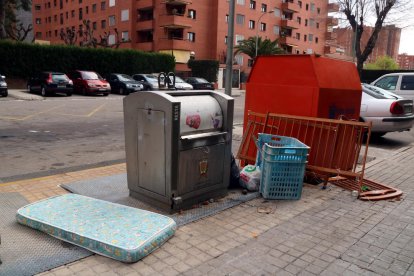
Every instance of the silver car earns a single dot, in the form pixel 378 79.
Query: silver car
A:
pixel 387 111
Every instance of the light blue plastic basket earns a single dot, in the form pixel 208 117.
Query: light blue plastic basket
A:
pixel 282 161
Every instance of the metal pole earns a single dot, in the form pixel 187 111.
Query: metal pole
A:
pixel 230 45
pixel 257 31
pixel 355 34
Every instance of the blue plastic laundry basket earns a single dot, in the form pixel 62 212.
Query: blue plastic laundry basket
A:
pixel 282 161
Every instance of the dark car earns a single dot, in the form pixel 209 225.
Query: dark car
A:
pixel 150 82
pixel 89 83
pixel 3 86
pixel 50 83
pixel 200 83
pixel 124 84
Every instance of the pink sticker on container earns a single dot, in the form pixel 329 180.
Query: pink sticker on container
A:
pixel 193 121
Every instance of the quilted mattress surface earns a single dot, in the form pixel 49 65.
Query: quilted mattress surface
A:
pixel 116 231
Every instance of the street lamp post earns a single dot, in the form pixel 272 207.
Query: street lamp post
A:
pixel 230 42
pixel 257 30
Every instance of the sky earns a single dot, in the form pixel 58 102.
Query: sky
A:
pixel 407 41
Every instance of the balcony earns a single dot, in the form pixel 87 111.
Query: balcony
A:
pixel 176 2
pixel 288 6
pixel 331 21
pixel 333 7
pixel 175 21
pixel 146 3
pixel 331 36
pixel 144 25
pixel 288 40
pixel 145 46
pixel 289 24
pixel 176 44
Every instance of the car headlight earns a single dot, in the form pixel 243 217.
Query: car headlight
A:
pixel 129 85
pixel 91 85
pixel 70 82
pixel 3 84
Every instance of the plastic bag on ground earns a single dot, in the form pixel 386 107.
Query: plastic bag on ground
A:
pixel 250 178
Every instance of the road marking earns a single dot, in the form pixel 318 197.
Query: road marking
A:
pixel 88 115
pixel 29 116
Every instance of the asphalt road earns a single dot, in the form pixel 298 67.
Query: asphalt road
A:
pixel 59 134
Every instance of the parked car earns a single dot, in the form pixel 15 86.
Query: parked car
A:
pixel 200 83
pixel 387 111
pixel 401 84
pixel 3 86
pixel 89 83
pixel 124 84
pixel 180 84
pixel 150 82
pixel 50 83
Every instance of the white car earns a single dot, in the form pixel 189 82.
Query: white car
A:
pixel 387 111
pixel 401 84
pixel 180 84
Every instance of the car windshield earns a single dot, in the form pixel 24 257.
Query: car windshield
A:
pixel 200 80
pixel 125 78
pixel 91 76
pixel 377 92
pixel 59 77
pixel 178 80
pixel 151 78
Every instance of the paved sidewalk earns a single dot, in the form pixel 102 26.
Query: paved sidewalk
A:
pixel 327 232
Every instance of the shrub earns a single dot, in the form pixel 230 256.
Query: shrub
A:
pixel 207 69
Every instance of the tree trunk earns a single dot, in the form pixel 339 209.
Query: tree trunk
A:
pixel 2 19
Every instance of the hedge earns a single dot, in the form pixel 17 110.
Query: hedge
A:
pixel 207 69
pixel 22 60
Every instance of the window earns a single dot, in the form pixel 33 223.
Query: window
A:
pixel 72 13
pixel 61 19
pixel 192 14
pixel 38 35
pixel 277 12
pixel 318 10
pixel 125 36
pixel 300 4
pixel 111 39
pixel 250 62
pixel 225 40
pixel 103 24
pixel 305 37
pixel 239 38
pixel 317 25
pixel 407 83
pixel 87 10
pixel 56 33
pixel 312 7
pixel 227 18
pixel 61 4
pixel 240 19
pixel 80 14
pixel 37 7
pixel 111 3
pixel 299 19
pixel 55 18
pixel 311 22
pixel 310 37
pixel 306 22
pixel 111 20
pixel 124 15
pixel 67 15
pixel 54 3
pixel 276 29
pixel 191 36
pixel 94 26
pixel 80 30
pixel 263 27
pixel 38 21
pixel 264 8
pixel 240 2
pixel 252 4
pixel 103 5
pixel 316 40
pixel 251 24
pixel 307 7
pixel 239 59
pixel 387 83
pixel 298 36
pixel 94 8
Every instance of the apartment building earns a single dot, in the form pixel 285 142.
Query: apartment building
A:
pixel 187 28
pixel 388 41
pixel 406 61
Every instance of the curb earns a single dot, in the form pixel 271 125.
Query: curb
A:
pixel 21 95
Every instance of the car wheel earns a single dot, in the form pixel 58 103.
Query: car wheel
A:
pixel 43 91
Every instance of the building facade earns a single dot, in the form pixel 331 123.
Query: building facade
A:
pixel 406 62
pixel 187 27
pixel 388 41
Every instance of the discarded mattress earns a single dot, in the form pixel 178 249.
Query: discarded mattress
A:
pixel 116 231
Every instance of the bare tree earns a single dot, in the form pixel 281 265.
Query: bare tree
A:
pixel 68 35
pixel 358 13
pixel 18 31
pixel 8 21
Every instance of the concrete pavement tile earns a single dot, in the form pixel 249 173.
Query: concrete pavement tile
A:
pixel 169 271
pixel 314 269
pixel 293 269
pixel 60 271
